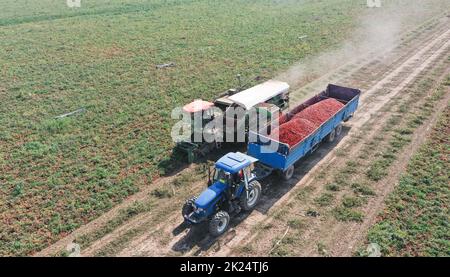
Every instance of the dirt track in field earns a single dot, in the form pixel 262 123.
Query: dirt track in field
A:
pixel 382 78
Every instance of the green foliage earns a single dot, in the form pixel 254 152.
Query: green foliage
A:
pixel 18 190
pixel 35 149
pixel 342 178
pixel 102 57
pixel 378 169
pixel 295 223
pixel 54 126
pixel 351 202
pixel 325 199
pixel 332 187
pixel 162 193
pixel 347 214
pixel 362 189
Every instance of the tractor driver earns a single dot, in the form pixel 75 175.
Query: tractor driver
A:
pixel 238 178
pixel 233 181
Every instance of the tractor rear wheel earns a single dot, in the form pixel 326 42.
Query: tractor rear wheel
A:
pixel 254 194
pixel 219 223
pixel 188 206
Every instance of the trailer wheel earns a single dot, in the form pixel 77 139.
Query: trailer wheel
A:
pixel 188 206
pixel 288 173
pixel 338 130
pixel 331 136
pixel 219 223
pixel 254 194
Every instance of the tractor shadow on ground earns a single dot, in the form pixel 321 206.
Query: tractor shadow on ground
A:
pixel 197 237
pixel 173 165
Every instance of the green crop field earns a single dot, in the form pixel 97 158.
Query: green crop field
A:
pixel 57 174
pixel 416 220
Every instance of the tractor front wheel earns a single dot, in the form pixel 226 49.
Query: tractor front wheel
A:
pixel 188 206
pixel 219 223
pixel 254 194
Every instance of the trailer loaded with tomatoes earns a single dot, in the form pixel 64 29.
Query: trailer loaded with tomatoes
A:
pixel 234 185
pixel 303 128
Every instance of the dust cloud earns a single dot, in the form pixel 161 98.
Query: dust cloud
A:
pixel 379 29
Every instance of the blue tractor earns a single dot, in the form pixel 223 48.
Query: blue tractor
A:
pixel 233 188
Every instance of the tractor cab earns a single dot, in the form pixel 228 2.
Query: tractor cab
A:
pixel 233 188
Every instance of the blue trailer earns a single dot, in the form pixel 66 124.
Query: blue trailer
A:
pixel 274 155
pixel 235 183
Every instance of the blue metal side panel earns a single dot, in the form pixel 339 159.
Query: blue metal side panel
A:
pixel 267 157
pixel 282 161
pixel 298 152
